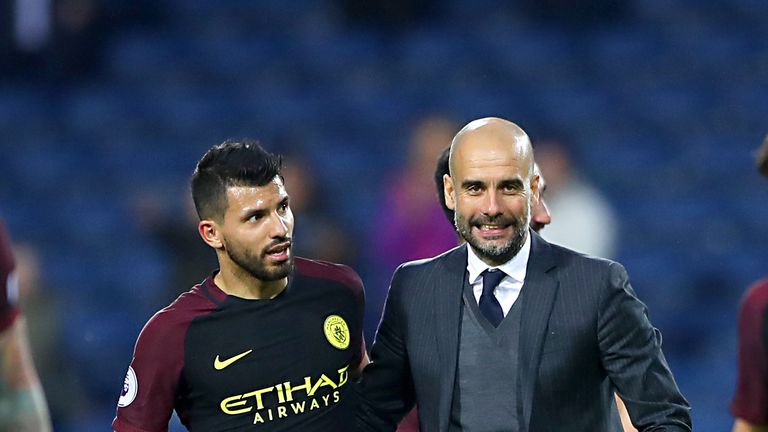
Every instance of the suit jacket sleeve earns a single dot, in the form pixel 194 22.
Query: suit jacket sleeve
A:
pixel 386 390
pixel 631 354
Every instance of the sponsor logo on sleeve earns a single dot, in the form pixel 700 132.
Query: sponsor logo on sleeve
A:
pixel 12 288
pixel 130 389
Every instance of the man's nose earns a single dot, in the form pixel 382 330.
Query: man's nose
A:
pixel 278 226
pixel 541 214
pixel 492 205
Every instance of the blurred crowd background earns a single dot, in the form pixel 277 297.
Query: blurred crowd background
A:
pixel 644 115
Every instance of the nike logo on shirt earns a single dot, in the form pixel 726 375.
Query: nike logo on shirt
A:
pixel 221 364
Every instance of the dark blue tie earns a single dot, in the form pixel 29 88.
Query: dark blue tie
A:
pixel 489 305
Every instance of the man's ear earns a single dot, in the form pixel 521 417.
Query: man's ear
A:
pixel 210 232
pixel 448 192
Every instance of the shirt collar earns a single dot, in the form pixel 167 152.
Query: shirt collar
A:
pixel 514 268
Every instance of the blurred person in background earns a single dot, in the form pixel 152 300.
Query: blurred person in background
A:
pixel 583 219
pixel 270 340
pixel 22 403
pixel 750 402
pixel 410 212
pixel 577 316
pixel 318 236
pixel 540 218
pixel 68 401
pixel 174 230
pixel 59 40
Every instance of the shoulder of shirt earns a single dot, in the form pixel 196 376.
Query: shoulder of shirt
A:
pixel 319 269
pixel 436 260
pixel 566 257
pixel 757 295
pixel 179 314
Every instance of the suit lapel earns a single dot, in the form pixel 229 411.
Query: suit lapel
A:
pixel 447 290
pixel 537 297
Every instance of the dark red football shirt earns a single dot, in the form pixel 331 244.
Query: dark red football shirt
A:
pixel 229 364
pixel 8 287
pixel 750 402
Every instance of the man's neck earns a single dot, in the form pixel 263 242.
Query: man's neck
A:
pixel 240 283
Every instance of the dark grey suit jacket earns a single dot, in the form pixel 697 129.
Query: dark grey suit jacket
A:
pixel 583 332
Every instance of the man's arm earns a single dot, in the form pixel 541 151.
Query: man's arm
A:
pixel 148 393
pixel 631 353
pixel 386 390
pixel 21 395
pixel 22 404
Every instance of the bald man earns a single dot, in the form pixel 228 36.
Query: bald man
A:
pixel 540 217
pixel 509 332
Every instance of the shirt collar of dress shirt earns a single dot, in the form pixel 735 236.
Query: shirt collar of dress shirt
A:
pixel 514 268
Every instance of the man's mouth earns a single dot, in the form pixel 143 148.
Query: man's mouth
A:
pixel 279 252
pixel 491 229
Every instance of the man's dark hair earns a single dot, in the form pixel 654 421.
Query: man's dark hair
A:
pixel 442 168
pixel 762 158
pixel 231 163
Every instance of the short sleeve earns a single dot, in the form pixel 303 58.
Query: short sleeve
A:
pixel 750 401
pixel 149 390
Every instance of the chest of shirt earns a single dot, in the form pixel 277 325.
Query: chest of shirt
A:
pixel 249 357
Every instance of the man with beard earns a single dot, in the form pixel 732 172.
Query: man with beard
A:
pixel 267 342
pixel 510 332
pixel 540 218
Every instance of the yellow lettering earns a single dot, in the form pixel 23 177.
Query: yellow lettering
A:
pixel 282 412
pixel 343 375
pixel 228 405
pixel 258 394
pixel 306 387
pixel 298 407
pixel 239 404
pixel 321 382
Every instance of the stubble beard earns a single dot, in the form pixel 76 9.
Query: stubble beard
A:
pixel 497 253
pixel 256 267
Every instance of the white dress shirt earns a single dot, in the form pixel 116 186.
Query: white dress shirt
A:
pixel 509 288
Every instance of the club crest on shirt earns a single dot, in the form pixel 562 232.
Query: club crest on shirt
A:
pixel 336 331
pixel 130 389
